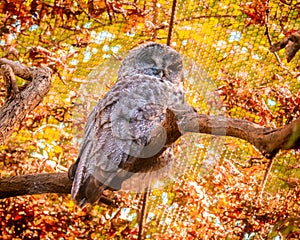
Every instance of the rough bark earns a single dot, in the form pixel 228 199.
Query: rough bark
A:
pixel 39 183
pixel 35 184
pixel 20 103
pixel 179 121
pixel 267 140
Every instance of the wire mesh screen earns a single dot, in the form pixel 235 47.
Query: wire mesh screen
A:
pixel 213 188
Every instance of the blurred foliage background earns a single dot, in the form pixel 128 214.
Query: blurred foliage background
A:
pixel 212 192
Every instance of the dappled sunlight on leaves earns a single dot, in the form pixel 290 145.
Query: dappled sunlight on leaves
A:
pixel 229 70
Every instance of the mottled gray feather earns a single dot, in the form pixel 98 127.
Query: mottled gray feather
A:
pixel 117 141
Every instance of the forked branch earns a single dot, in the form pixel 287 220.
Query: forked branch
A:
pixel 20 103
pixel 178 121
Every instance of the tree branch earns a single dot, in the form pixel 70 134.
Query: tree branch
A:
pixel 20 103
pixel 39 183
pixel 267 140
pixel 291 44
pixel 35 184
pixel 178 121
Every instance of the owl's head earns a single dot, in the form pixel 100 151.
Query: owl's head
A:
pixel 155 60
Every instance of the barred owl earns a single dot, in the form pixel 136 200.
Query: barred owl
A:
pixel 117 141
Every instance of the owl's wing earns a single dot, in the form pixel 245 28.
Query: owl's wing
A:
pixel 98 156
pixel 117 134
pixel 105 146
pixel 97 162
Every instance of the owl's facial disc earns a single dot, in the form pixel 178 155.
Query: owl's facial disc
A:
pixel 166 66
pixel 155 60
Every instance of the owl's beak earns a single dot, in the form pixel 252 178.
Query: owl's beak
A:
pixel 163 73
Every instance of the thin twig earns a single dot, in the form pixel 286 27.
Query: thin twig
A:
pixel 266 175
pixel 89 15
pixel 267 23
pixel 108 12
pixel 171 22
pixel 281 64
pixel 141 220
pixel 269 37
pixel 154 20
pixel 207 17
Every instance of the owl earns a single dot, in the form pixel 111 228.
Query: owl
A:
pixel 118 140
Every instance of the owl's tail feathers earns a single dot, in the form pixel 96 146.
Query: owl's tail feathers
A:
pixel 90 191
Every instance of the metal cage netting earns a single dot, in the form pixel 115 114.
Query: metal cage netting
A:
pixel 213 188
